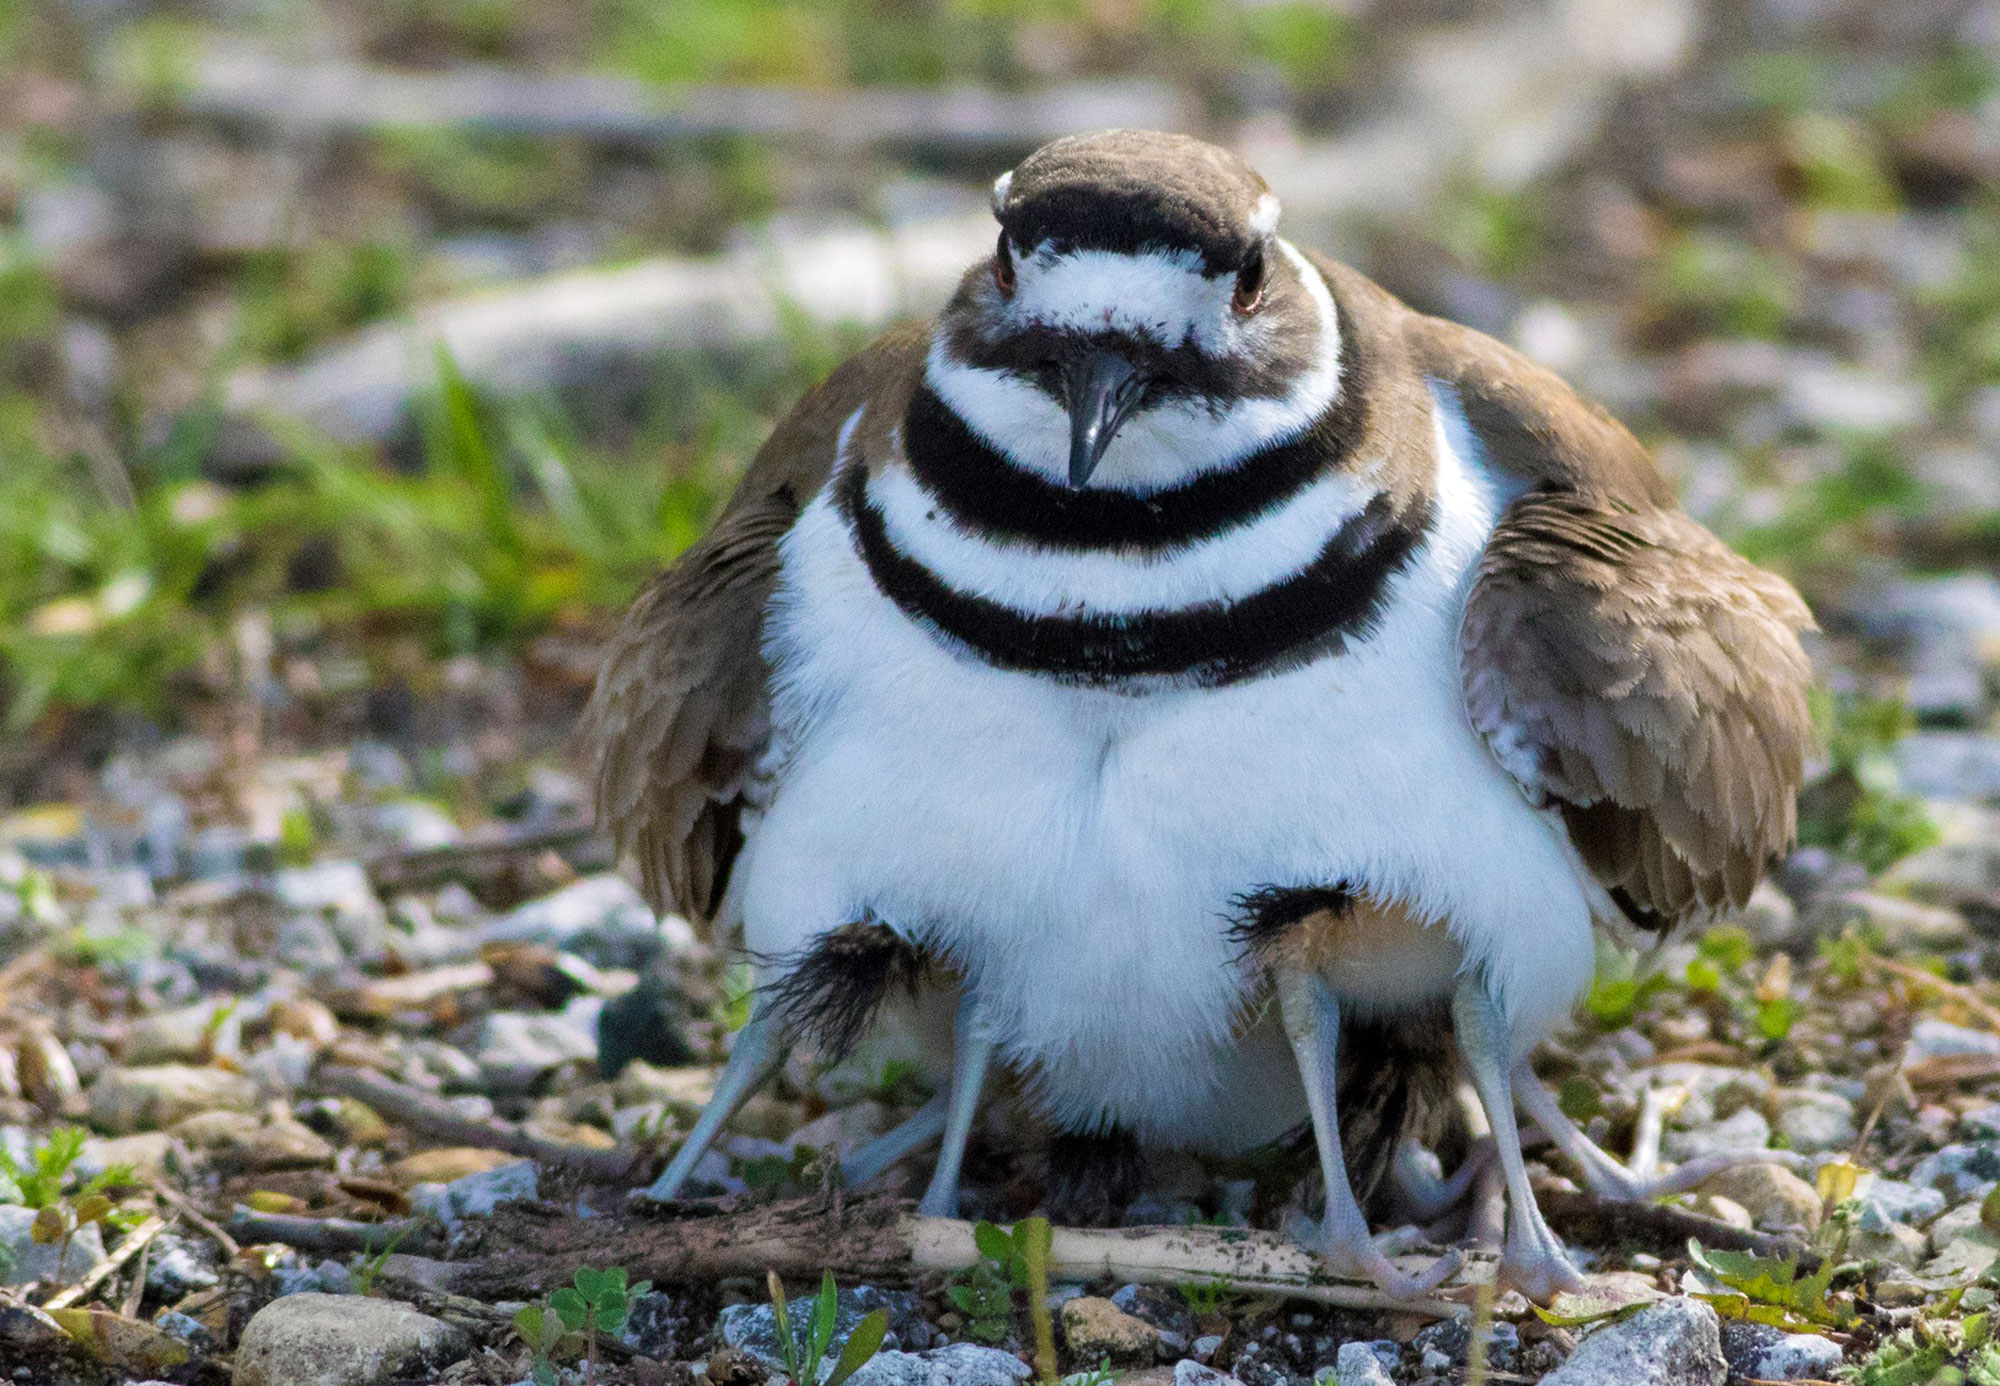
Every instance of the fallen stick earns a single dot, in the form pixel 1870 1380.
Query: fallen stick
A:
pixel 1659 1227
pixel 441 1121
pixel 180 1204
pixel 336 1236
pixel 134 1242
pixel 581 845
pixel 1964 995
pixel 526 1249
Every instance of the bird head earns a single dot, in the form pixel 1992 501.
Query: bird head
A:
pixel 1139 319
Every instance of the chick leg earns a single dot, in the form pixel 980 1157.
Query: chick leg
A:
pixel 925 1125
pixel 1605 1176
pixel 1312 1022
pixel 1425 1191
pixel 1533 1260
pixel 758 1052
pixel 972 1052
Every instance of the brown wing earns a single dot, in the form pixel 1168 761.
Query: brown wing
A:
pixel 1621 662
pixel 681 713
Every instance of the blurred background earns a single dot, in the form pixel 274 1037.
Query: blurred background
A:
pixel 360 358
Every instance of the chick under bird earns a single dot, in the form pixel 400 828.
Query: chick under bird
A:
pixel 1236 694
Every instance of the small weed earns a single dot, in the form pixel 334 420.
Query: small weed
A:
pixel 805 1354
pixel 1099 1375
pixel 596 1301
pixel 1767 1290
pixel 1207 1297
pixel 60 1212
pixel 1858 809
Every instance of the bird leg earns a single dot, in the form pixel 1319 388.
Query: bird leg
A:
pixel 925 1125
pixel 1605 1176
pixel 758 1052
pixel 1533 1260
pixel 1312 1022
pixel 1425 1192
pixel 972 1051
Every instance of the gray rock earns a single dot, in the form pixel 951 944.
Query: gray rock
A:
pixel 517 1048
pixel 188 1329
pixel 178 1266
pixel 1876 1236
pixel 1769 1354
pixel 1192 1373
pixel 188 1034
pixel 124 1100
pixel 1906 1202
pixel 752 1328
pixel 1931 1038
pixel 602 919
pixel 1949 764
pixel 414 825
pixel 1812 1121
pixel 477 1195
pixel 655 1326
pixel 1959 1171
pixel 960 1364
pixel 23 1259
pixel 1365 1364
pixel 306 943
pixel 1902 924
pixel 1746 1130
pixel 1981 1123
pixel 342 1340
pixel 1676 1342
pixel 1206 1346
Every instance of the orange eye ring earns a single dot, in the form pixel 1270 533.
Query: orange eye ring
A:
pixel 1004 277
pixel 1250 283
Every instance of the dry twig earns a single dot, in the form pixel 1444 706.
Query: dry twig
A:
pixel 135 1241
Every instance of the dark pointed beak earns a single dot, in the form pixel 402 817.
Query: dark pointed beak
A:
pixel 1102 389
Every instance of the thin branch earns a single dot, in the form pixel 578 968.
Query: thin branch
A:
pixel 180 1204
pixel 134 1242
pixel 335 1236
pixel 440 1120
pixel 1965 996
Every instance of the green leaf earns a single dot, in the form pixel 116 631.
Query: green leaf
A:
pixel 862 1344
pixel 993 1244
pixel 528 1320
pixel 571 1307
pixel 782 1324
pixel 826 1313
pixel 1768 1283
pixel 634 1291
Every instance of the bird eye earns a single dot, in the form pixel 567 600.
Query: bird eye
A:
pixel 1250 282
pixel 1003 267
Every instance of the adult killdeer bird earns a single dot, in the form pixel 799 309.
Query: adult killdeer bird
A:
pixel 1178 622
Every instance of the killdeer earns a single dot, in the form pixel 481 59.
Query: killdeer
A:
pixel 1212 678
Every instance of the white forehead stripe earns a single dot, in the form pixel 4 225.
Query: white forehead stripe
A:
pixel 1264 216
pixel 1000 187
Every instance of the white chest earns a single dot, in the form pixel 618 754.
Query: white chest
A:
pixel 1078 851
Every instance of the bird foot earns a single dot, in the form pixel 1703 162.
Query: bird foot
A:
pixel 1536 1264
pixel 1364 1259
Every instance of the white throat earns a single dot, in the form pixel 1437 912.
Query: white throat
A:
pixel 1158 295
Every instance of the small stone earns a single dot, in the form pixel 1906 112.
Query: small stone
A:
pixel 342 1340
pixel 1096 1328
pixel 1769 1354
pixel 1364 1364
pixel 1206 1346
pixel 1883 1239
pixel 601 919
pixel 477 1195
pixel 960 1364
pixel 1981 1123
pixel 1676 1342
pixel 1725 1209
pixel 1939 764
pixel 304 1018
pixel 1771 1194
pixel 1746 1130
pixel 1959 1171
pixel 1187 1373
pixel 148 1152
pixel 124 1100
pixel 241 1141
pixel 177 1266
pixel 655 1326
pixel 1903 925
pixel 1931 1039
pixel 1905 1202
pixel 1812 1121
pixel 187 1328
pixel 191 1034
pixel 306 943
pixel 448 1164
pixel 23 1259
pixel 1167 1310
pixel 517 1048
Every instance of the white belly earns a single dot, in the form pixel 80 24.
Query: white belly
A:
pixel 1078 851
